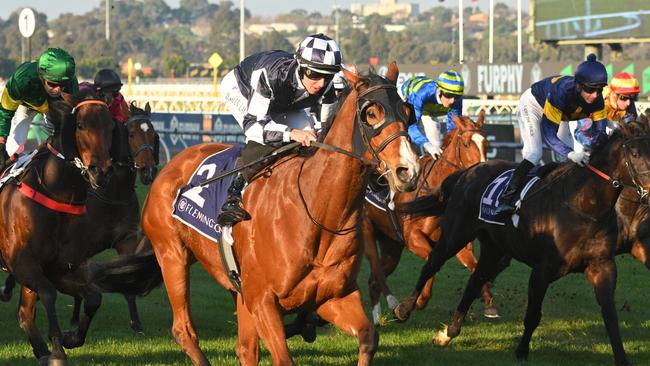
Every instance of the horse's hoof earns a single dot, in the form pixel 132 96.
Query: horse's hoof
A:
pixel 308 333
pixel 5 296
pixel 136 327
pixel 43 360
pixel 56 362
pixel 401 313
pixel 441 338
pixel 72 340
pixel 521 353
pixel 491 312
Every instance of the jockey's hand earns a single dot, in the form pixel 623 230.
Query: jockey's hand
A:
pixel 302 136
pixel 579 157
pixel 434 150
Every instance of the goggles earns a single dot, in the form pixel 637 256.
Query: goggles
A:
pixel 314 75
pixel 624 97
pixel 449 95
pixel 590 89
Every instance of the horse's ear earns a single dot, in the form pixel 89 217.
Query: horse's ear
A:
pixel 643 118
pixel 393 72
pixel 351 77
pixel 481 119
pixel 458 121
pixel 147 109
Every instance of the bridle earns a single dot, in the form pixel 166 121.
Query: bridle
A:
pixel 144 146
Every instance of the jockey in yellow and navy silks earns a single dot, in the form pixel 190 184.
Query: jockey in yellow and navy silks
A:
pixel 26 94
pixel 542 109
pixel 433 98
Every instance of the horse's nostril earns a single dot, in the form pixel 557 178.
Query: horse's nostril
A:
pixel 403 174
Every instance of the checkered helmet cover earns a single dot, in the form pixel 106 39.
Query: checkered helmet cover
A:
pixel 320 53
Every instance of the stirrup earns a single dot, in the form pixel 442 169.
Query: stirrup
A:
pixel 232 215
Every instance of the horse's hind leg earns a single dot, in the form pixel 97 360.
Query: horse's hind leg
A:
pixel 348 315
pixel 135 322
pixel 27 321
pixel 131 245
pixel 603 278
pixel 486 268
pixel 377 280
pixel 268 322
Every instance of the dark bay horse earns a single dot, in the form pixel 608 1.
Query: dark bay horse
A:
pixel 463 147
pixel 300 251
pixel 115 206
pixel 38 214
pixel 567 224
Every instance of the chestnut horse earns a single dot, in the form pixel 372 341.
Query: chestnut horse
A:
pixel 462 147
pixel 39 246
pixel 116 205
pixel 567 224
pixel 300 251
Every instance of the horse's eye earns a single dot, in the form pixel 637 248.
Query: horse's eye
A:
pixel 80 126
pixel 371 114
pixel 131 135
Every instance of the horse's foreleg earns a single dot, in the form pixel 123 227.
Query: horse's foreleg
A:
pixel 602 276
pixel 74 321
pixel 537 286
pixel 468 260
pixel 91 301
pixel 348 315
pixel 130 246
pixel 376 281
pixel 26 320
pixel 268 322
pixel 248 346
pixel 487 267
pixel 7 290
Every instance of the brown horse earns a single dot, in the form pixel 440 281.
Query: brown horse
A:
pixel 567 224
pixel 116 206
pixel 39 209
pixel 300 251
pixel 462 147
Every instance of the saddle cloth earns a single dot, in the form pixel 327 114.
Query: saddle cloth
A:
pixel 17 168
pixel 197 206
pixel 490 199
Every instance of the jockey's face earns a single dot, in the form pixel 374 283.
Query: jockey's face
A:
pixel 621 101
pixel 52 89
pixel 447 99
pixel 314 81
pixel 589 94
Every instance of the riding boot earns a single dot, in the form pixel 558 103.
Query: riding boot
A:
pixel 232 210
pixel 509 197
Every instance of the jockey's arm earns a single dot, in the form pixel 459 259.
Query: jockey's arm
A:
pixel 549 136
pixel 8 107
pixel 416 135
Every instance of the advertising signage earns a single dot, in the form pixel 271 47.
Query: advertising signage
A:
pixel 570 20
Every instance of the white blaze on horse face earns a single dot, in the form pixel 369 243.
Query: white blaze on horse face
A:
pixel 478 140
pixel 144 127
pixel 408 157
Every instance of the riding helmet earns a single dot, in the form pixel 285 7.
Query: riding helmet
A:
pixel 106 79
pixel 56 65
pixel 591 73
pixel 451 82
pixel 624 83
pixel 319 53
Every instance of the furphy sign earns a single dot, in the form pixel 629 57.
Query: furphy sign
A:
pixel 513 78
pixel 499 79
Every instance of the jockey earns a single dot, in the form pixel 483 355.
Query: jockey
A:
pixel 108 84
pixel 620 96
pixel 268 93
pixel 433 98
pixel 26 94
pixel 544 106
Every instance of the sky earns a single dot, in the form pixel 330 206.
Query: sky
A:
pixel 258 7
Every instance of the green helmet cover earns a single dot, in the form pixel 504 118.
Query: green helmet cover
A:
pixel 56 65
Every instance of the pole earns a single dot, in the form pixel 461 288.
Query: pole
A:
pixel 130 77
pixel 108 24
pixel 491 37
pixel 518 31
pixel 22 49
pixel 241 30
pixel 336 24
pixel 29 48
pixel 461 55
pixel 214 81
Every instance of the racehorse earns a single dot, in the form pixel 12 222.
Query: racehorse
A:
pixel 39 210
pixel 462 147
pixel 116 206
pixel 567 224
pixel 300 251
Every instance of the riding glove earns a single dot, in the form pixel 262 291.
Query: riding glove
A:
pixel 433 150
pixel 579 157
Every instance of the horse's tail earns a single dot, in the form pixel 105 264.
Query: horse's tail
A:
pixel 433 204
pixel 126 274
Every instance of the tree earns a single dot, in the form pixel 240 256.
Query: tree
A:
pixel 175 62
